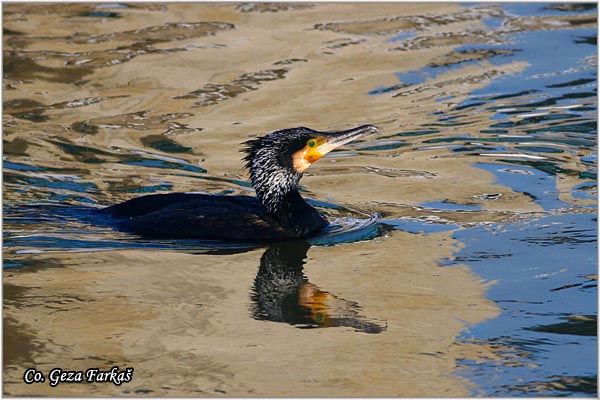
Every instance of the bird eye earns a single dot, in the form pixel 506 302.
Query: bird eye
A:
pixel 311 143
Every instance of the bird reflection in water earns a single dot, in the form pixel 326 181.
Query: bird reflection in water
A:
pixel 282 293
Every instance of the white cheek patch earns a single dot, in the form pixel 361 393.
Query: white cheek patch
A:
pixel 298 161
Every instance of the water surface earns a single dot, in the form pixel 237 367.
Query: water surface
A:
pixel 461 259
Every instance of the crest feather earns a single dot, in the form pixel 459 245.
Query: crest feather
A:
pixel 249 149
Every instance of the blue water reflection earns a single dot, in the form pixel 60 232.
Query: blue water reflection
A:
pixel 543 267
pixel 544 275
pixel 543 270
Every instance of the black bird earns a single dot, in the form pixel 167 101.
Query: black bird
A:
pixel 276 163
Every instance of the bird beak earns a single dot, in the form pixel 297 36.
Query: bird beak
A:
pixel 325 142
pixel 336 139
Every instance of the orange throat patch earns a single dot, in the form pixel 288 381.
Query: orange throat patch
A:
pixel 302 159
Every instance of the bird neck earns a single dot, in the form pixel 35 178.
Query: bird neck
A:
pixel 296 216
pixel 273 185
pixel 278 193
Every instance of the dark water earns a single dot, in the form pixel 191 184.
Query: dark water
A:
pixel 539 140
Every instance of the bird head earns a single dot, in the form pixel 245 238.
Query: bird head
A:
pixel 277 160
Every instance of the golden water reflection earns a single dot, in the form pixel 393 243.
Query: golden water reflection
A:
pixel 105 102
pixel 187 322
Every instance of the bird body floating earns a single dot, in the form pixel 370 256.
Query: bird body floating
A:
pixel 276 163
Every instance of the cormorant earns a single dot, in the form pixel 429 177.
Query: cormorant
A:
pixel 276 163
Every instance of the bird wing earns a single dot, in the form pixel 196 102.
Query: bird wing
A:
pixel 232 218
